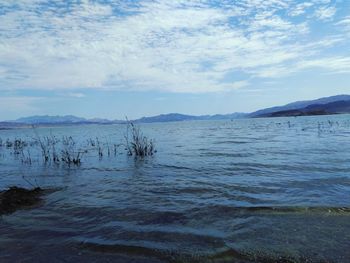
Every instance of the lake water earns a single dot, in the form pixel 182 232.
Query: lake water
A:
pixel 250 190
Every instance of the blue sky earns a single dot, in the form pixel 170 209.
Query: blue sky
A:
pixel 112 58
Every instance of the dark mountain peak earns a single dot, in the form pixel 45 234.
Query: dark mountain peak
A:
pixel 334 107
pixel 299 105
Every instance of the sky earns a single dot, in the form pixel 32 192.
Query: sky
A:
pixel 117 58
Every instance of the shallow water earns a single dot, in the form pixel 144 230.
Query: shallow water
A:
pixel 216 191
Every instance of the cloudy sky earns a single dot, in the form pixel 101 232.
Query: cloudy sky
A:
pixel 111 58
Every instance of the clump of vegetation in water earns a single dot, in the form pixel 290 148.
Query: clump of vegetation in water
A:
pixel 15 198
pixel 18 146
pixel 45 143
pixel 69 154
pixel 99 148
pixel 66 150
pixel 137 144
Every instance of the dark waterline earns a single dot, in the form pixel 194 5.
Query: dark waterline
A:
pixel 245 190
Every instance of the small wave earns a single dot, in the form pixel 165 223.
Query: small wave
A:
pixel 104 169
pixel 231 142
pixel 161 254
pixel 176 167
pixel 282 210
pixel 129 250
pixel 165 218
pixel 222 154
pixel 224 255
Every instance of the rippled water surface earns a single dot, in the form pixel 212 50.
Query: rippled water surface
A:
pixel 246 190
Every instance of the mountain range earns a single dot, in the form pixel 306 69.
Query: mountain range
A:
pixel 329 105
pixel 336 107
pixel 299 105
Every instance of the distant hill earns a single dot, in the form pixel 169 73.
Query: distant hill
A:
pixel 73 120
pixel 298 105
pixel 50 119
pixel 182 117
pixel 329 105
pixel 236 115
pixel 166 118
pixel 337 107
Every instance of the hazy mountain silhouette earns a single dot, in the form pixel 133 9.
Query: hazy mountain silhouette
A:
pixel 329 105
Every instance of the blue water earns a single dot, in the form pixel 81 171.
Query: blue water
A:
pixel 216 191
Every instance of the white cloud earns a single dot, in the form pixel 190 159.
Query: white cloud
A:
pixel 345 21
pixel 174 46
pixel 76 95
pixel 325 12
pixel 344 24
pixel 300 9
pixel 333 64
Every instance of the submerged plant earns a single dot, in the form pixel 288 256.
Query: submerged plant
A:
pixel 9 143
pixel 137 144
pixel 69 154
pixel 115 146
pixel 91 142
pixel 99 148
pixel 18 146
pixel 26 157
pixel 71 157
pixel 65 150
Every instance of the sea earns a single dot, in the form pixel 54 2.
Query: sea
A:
pixel 241 190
